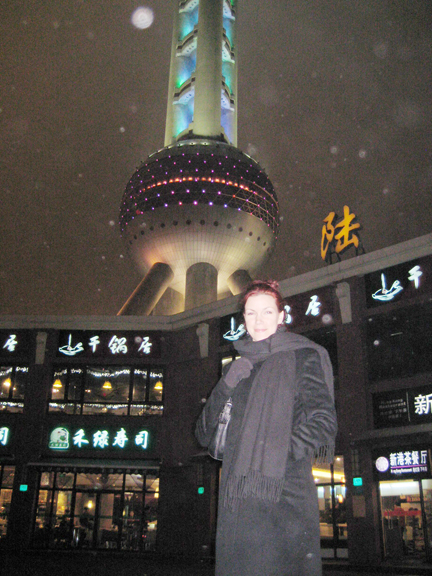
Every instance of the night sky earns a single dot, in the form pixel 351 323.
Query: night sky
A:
pixel 335 102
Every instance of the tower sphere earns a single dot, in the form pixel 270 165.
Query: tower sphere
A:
pixel 200 201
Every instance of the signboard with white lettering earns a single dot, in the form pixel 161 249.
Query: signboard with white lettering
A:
pixel 89 344
pixel 390 409
pixel 399 282
pixel 5 436
pixel 402 462
pixel 300 310
pixel 65 439
pixel 14 344
pixel 403 407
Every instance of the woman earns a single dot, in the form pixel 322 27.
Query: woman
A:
pixel 282 416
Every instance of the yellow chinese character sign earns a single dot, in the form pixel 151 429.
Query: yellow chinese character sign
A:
pixel 338 235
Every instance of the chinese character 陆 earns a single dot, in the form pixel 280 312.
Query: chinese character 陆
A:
pixel 327 237
pixel 345 237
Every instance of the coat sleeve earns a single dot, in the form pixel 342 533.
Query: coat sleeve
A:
pixel 314 422
pixel 208 419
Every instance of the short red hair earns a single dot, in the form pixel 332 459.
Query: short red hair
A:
pixel 270 287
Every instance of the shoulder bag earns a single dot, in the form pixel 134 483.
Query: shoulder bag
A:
pixel 217 443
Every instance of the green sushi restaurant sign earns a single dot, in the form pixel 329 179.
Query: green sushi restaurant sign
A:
pixel 63 439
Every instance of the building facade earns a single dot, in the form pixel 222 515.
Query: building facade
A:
pixel 97 449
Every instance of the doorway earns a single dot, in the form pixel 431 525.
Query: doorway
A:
pixel 406 517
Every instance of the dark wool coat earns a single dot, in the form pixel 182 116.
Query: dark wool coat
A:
pixel 258 537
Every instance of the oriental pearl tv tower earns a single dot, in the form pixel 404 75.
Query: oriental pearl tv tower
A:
pixel 199 216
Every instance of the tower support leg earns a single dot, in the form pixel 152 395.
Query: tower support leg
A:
pixel 148 292
pixel 201 285
pixel 238 281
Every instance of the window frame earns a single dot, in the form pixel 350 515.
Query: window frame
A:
pixel 80 406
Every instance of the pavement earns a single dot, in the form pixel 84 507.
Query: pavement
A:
pixel 51 563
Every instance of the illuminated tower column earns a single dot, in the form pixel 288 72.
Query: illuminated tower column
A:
pixel 203 72
pixel 207 101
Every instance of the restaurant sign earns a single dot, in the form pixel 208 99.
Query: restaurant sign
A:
pixel 402 281
pixel 403 407
pixel 89 344
pixel 402 462
pixel 14 343
pixel 75 439
pixel 5 435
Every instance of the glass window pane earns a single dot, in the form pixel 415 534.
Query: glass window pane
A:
pixel 150 524
pixel 400 343
pixel 427 499
pixel 20 382
pixel 155 386
pixel 6 377
pixel 47 479
pixel 85 481
pixel 134 482
pixel 401 519
pixel 62 504
pixel 139 385
pixel 5 502
pixel 71 408
pixel 113 481
pixel 42 524
pixel 108 523
pixel 60 532
pixel 113 409
pixel 58 388
pixel 145 410
pixel 107 385
pixel 8 476
pixel 132 514
pixel 325 512
pixel 152 482
pixel 85 505
pixel 76 379
pixel 64 479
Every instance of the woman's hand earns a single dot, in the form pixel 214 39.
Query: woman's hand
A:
pixel 238 370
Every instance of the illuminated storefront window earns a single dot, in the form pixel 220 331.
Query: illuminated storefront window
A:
pixel 405 489
pixel 405 529
pixel 13 382
pixel 330 483
pixel 103 509
pixel 107 390
pixel 6 483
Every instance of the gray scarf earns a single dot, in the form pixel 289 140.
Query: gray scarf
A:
pixel 260 457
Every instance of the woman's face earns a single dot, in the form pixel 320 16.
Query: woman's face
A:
pixel 262 316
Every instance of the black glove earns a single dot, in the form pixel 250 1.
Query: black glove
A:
pixel 238 370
